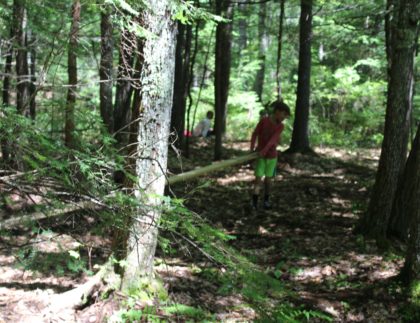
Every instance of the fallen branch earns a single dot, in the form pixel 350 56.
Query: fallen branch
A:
pixel 211 168
pixel 36 216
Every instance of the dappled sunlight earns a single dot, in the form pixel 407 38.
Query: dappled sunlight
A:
pixel 307 239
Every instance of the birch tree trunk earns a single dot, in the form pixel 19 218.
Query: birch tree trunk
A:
pixel 156 86
pixel 72 73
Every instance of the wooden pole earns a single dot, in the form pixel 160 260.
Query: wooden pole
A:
pixel 183 177
pixel 211 168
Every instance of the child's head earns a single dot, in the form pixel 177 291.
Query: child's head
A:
pixel 263 113
pixel 210 115
pixel 281 110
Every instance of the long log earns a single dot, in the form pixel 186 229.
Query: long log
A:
pixel 36 216
pixel 211 168
pixel 193 174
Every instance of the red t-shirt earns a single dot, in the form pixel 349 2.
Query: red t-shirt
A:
pixel 268 134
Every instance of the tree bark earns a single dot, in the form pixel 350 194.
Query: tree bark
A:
pixel 32 68
pixel 182 75
pixel 411 191
pixel 22 71
pixel 106 67
pixel 405 199
pixel 403 38
pixel 124 88
pixel 300 136
pixel 156 84
pixel 279 48
pixel 262 50
pixel 6 96
pixel 222 72
pixel 72 74
pixel 190 127
pixel 243 27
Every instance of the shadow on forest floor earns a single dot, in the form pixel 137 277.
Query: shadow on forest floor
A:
pixel 306 241
pixel 307 238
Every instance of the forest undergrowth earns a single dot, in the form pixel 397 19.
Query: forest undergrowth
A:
pixel 306 243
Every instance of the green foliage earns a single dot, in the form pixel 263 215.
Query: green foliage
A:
pixel 189 313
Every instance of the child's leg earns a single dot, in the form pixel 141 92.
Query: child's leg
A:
pixel 267 188
pixel 270 171
pixel 259 173
pixel 257 185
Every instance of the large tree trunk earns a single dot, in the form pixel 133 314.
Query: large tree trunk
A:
pixel 403 29
pixel 72 74
pixel 182 64
pixel 22 71
pixel 105 70
pixel 262 50
pixel 411 197
pixel 300 136
pixel 156 85
pixel 222 72
pixel 279 48
pixel 124 88
pixel 405 200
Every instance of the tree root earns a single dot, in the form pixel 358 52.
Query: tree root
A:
pixel 104 281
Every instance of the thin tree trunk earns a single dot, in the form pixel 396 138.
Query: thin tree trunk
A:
pixel 411 189
pixel 262 50
pixel 222 72
pixel 22 71
pixel 300 136
pixel 189 86
pixel 279 48
pixel 32 68
pixel 156 83
pixel 124 86
pixel 243 27
pixel 388 47
pixel 5 145
pixel 106 67
pixel 403 38
pixel 72 73
pixel 182 75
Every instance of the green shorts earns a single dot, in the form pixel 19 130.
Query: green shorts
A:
pixel 266 167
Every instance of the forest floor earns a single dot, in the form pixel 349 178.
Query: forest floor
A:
pixel 306 241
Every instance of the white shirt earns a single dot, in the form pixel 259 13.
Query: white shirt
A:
pixel 202 128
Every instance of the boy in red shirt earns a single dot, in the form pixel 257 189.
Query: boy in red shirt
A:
pixel 268 132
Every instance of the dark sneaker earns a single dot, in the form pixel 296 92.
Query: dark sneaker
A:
pixel 254 206
pixel 254 202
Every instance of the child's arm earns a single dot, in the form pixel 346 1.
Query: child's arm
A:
pixel 255 134
pixel 274 140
